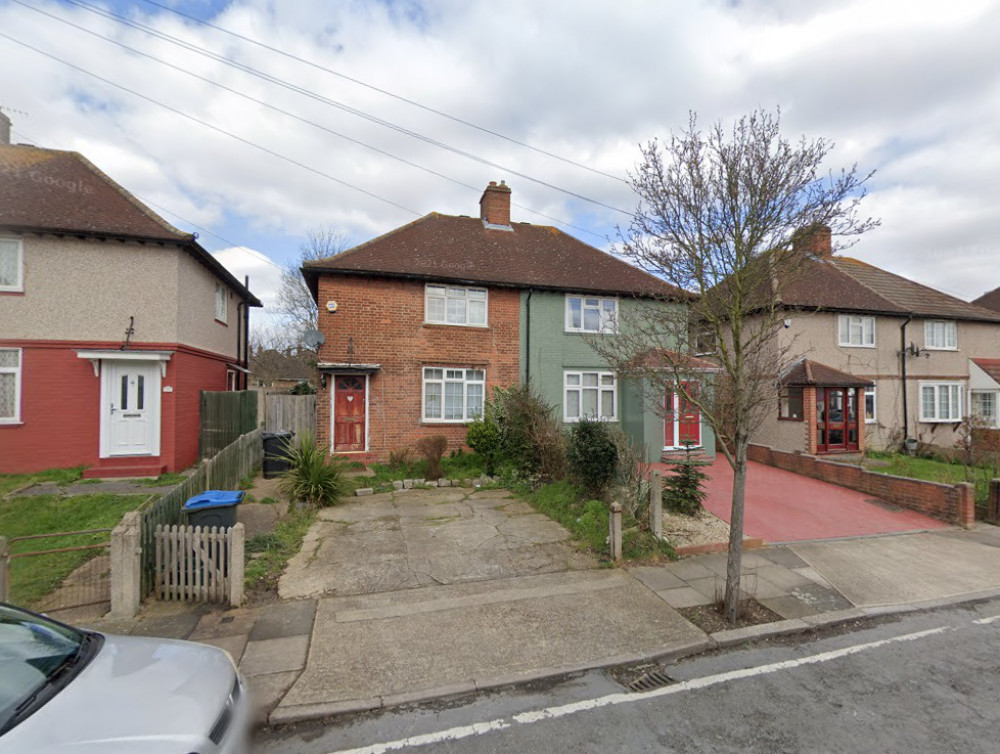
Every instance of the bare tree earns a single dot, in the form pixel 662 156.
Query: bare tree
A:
pixel 716 216
pixel 296 307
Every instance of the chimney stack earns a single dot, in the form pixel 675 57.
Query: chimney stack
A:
pixel 494 205
pixel 815 240
pixel 4 128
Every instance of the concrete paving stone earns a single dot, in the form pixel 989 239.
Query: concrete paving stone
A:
pixel 178 626
pixel 217 624
pixel 813 575
pixel 267 690
pixel 904 569
pixel 808 600
pixel 275 655
pixel 657 578
pixel 716 562
pixel 491 495
pixel 783 577
pixel 712 587
pixel 234 645
pixel 985 534
pixel 782 556
pixel 684 596
pixel 284 619
pixel 689 569
pixel 381 658
pixel 758 588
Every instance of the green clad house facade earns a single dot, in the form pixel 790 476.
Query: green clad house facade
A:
pixel 432 316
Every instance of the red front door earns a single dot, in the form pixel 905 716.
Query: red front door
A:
pixel 349 414
pixel 836 419
pixel 682 423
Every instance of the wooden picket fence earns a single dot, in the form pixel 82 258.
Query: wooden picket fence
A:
pixel 195 564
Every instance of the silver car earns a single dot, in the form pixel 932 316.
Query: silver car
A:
pixel 67 690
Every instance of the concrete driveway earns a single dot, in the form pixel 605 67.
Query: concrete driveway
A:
pixel 416 538
pixel 785 507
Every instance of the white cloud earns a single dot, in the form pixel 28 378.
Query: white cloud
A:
pixel 912 89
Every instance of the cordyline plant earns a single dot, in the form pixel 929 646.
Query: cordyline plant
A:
pixel 725 216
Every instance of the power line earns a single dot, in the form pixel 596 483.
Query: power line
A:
pixel 223 131
pixel 380 90
pixel 332 103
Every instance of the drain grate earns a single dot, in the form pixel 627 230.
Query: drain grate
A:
pixel 653 680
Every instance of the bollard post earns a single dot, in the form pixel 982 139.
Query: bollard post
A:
pixel 993 508
pixel 656 503
pixel 126 567
pixel 615 526
pixel 237 539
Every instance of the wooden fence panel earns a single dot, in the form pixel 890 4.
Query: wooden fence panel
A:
pixel 290 413
pixel 224 416
pixel 193 564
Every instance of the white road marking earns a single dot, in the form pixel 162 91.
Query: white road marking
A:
pixel 985 621
pixel 551 713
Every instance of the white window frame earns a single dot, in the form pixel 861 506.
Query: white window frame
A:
pixel 973 405
pixel 221 303
pixel 16 371
pixel 949 331
pixel 444 379
pixel 873 393
pixel 600 388
pixel 446 293
pixel 849 324
pixel 938 387
pixel 605 327
pixel 18 247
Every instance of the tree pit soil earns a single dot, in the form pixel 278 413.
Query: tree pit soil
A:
pixel 710 618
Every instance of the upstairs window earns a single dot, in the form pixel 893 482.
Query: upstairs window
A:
pixel 221 303
pixel 11 265
pixel 855 331
pixel 10 385
pixel 452 305
pixel 595 315
pixel 941 402
pixel 941 335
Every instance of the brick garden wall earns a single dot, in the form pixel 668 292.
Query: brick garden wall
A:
pixel 952 503
pixel 381 321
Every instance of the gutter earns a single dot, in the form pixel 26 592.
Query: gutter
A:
pixel 902 376
pixel 527 340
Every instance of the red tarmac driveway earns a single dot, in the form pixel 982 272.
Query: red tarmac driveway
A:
pixel 781 506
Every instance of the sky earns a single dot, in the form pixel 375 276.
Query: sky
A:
pixel 359 116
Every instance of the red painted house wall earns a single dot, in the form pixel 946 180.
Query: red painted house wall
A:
pixel 381 321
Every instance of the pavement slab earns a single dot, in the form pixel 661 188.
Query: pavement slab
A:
pixel 565 622
pixel 275 655
pixel 284 619
pixel 907 568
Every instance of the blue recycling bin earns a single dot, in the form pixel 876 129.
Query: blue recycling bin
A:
pixel 213 508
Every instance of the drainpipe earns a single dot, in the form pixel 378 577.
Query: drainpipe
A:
pixel 246 333
pixel 902 376
pixel 527 339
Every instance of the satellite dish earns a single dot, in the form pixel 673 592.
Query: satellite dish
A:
pixel 313 338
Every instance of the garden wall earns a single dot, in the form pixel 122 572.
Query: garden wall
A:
pixel 952 503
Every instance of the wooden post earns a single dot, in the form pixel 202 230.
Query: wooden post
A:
pixel 237 539
pixel 993 507
pixel 656 503
pixel 4 570
pixel 126 567
pixel 615 527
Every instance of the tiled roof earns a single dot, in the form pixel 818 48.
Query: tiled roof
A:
pixel 990 366
pixel 844 284
pixel 664 359
pixel 461 249
pixel 52 190
pixel 49 190
pixel 989 300
pixel 806 372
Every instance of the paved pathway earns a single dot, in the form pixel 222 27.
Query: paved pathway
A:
pixel 785 507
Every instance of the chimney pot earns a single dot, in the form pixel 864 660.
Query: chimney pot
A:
pixel 815 240
pixel 494 205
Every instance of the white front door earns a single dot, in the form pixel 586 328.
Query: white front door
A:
pixel 130 408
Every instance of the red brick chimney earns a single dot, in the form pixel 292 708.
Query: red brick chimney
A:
pixel 815 240
pixel 494 205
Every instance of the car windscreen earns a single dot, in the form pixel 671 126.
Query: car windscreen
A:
pixel 33 652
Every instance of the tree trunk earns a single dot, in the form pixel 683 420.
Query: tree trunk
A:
pixel 731 607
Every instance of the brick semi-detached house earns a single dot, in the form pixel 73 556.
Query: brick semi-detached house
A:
pixel 422 322
pixel 111 322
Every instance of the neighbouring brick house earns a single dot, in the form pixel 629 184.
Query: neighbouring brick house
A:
pixel 883 358
pixel 111 323
pixel 422 322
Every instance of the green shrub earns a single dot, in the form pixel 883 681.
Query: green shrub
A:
pixel 483 436
pixel 432 448
pixel 682 492
pixel 303 388
pixel 592 455
pixel 313 477
pixel 531 440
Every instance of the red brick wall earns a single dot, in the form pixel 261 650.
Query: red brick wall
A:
pixel 383 321
pixel 952 503
pixel 60 409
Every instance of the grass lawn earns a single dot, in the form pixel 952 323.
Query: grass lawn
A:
pixel 460 466
pixel 274 548
pixel 934 470
pixel 11 482
pixel 34 577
